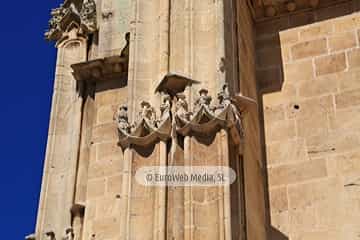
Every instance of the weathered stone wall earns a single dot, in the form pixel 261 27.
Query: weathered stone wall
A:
pixel 310 78
pixel 104 177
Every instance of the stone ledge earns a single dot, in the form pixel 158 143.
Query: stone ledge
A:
pixel 104 69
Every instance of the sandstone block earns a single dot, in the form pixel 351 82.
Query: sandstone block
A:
pixel 348 99
pixel 354 58
pixel 345 164
pixel 289 37
pixel 302 219
pixel 330 64
pixel 347 119
pixel 297 173
pixel 274 113
pixel 316 31
pixel 308 107
pixel 313 125
pixel 280 130
pixel 318 235
pixel 107 207
pixel 290 151
pixel 292 73
pixel 96 188
pixel 114 184
pixel 309 194
pixel 321 86
pixel 341 41
pixel 349 80
pixel 309 48
pixel 347 23
pixel 333 142
pixel 278 199
pixel 105 132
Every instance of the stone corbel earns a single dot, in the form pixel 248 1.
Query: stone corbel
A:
pixel 147 129
pixel 104 69
pixel 207 119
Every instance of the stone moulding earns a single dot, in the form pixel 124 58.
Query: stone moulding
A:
pixel 101 69
pixel 175 119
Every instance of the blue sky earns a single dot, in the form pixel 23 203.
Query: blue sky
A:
pixel 27 72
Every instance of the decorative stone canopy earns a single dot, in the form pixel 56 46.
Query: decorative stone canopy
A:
pixel 175 119
pixel 263 9
pixel 174 83
pixel 101 69
pixel 71 14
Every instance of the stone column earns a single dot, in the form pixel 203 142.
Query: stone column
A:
pixel 57 191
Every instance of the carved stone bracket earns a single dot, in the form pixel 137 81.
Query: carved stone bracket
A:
pixel 101 69
pixel 207 119
pixel 147 129
pixel 68 15
pixel 204 120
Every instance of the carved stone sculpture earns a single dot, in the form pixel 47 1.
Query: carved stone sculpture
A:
pixel 181 106
pixel 165 107
pixel 54 30
pixel 69 234
pixel 147 112
pixel 203 99
pixel 223 98
pixel 88 16
pixel 50 235
pixel 122 119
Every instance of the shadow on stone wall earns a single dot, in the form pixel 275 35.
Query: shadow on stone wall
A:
pixel 270 72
